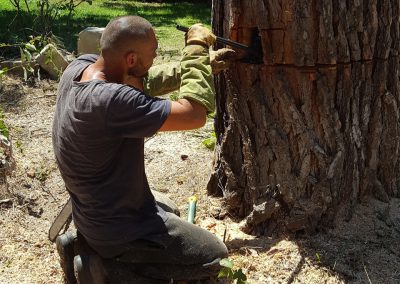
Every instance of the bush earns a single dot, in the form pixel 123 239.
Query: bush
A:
pixel 34 21
pixel 39 16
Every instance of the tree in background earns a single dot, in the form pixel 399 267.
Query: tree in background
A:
pixel 314 128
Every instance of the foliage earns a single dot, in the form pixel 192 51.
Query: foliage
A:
pixel 228 272
pixel 3 127
pixel 163 16
pixel 318 257
pixel 26 58
pixel 27 51
pixel 38 17
pixel 210 142
pixel 3 72
pixel 42 173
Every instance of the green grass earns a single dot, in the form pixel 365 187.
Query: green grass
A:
pixel 163 16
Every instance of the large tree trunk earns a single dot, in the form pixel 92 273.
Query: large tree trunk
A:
pixel 315 127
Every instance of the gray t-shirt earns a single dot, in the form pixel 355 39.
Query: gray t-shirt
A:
pixel 98 139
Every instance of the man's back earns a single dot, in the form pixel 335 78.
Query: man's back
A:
pixel 98 134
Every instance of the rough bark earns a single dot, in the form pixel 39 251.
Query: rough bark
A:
pixel 315 127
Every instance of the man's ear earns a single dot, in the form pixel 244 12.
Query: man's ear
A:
pixel 131 59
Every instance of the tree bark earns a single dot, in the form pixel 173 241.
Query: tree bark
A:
pixel 315 127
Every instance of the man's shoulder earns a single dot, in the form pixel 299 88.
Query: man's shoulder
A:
pixel 90 58
pixel 121 93
pixel 81 62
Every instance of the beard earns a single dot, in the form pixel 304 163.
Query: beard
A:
pixel 138 71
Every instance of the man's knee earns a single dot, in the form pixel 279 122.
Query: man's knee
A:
pixel 165 203
pixel 195 244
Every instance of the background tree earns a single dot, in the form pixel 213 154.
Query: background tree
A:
pixel 314 128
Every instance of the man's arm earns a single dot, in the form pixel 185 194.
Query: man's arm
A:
pixel 166 78
pixel 197 94
pixel 185 115
pixel 163 79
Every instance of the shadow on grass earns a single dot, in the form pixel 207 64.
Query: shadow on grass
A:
pixel 160 15
pixel 327 256
pixel 167 14
pixel 354 259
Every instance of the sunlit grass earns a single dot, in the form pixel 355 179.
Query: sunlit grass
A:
pixel 163 16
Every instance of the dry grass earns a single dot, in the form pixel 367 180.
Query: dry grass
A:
pixel 362 250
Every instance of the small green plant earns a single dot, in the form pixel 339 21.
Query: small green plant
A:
pixel 26 59
pixel 3 127
pixel 42 173
pixel 27 51
pixel 210 142
pixel 211 115
pixel 318 257
pixel 3 72
pixel 18 144
pixel 227 271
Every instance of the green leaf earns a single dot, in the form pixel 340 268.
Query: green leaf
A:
pixel 28 55
pixel 4 129
pixel 223 273
pixel 226 272
pixel 30 69
pixel 225 262
pixel 21 51
pixel 211 115
pixel 240 276
pixel 3 71
pixel 318 257
pixel 210 142
pixel 30 47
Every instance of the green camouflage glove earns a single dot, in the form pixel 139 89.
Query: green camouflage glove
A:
pixel 221 59
pixel 163 79
pixel 197 81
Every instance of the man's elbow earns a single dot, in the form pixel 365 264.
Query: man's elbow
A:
pixel 199 114
pixel 200 120
pixel 185 115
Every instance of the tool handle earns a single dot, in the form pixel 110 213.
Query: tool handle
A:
pixel 192 209
pixel 220 40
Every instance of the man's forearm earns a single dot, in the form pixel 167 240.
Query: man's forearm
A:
pixel 163 79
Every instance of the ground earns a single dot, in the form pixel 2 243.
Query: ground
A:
pixel 364 249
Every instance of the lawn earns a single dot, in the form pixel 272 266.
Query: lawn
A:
pixel 163 16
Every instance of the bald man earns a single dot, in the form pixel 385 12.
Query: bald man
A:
pixel 105 108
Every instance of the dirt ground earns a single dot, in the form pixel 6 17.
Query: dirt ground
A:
pixel 365 249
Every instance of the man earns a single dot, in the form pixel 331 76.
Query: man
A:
pixel 102 117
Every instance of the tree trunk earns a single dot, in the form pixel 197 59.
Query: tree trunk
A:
pixel 315 127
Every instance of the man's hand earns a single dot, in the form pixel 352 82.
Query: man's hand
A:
pixel 221 59
pixel 199 34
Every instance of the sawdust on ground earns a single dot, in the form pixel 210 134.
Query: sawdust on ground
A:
pixel 363 250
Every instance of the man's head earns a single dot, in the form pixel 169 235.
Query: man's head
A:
pixel 129 41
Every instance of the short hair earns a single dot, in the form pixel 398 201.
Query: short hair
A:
pixel 119 30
